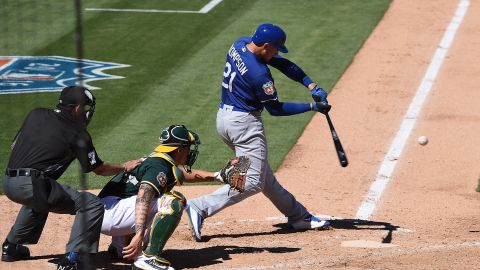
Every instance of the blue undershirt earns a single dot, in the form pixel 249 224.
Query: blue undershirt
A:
pixel 277 108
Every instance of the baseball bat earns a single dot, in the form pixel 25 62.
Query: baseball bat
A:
pixel 342 157
pixel 324 108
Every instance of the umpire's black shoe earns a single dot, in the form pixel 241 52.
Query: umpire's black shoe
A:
pixel 14 252
pixel 65 264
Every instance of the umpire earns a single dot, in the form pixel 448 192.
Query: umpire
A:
pixel 48 141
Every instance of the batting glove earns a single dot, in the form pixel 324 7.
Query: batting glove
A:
pixel 319 95
pixel 321 107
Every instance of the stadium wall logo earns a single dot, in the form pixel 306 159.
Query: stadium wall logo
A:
pixel 26 74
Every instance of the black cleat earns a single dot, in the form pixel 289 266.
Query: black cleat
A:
pixel 65 264
pixel 14 252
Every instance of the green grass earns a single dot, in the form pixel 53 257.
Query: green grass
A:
pixel 176 65
pixel 478 186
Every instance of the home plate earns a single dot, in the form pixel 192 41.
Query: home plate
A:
pixel 366 244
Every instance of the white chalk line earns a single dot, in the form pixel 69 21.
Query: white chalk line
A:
pixel 209 6
pixel 389 163
pixel 141 10
pixel 205 9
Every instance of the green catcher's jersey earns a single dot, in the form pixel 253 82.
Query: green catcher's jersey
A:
pixel 158 170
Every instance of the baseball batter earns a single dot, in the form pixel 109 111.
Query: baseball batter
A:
pixel 247 88
pixel 140 206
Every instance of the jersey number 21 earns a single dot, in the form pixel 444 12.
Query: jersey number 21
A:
pixel 228 73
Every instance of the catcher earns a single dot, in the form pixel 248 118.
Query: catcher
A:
pixel 142 211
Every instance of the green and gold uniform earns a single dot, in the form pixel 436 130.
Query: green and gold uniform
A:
pixel 160 172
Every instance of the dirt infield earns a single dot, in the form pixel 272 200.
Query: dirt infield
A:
pixel 428 215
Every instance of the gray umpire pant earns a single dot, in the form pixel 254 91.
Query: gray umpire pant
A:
pixel 61 199
pixel 244 133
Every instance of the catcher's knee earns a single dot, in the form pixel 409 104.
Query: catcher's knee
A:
pixel 165 222
pixel 172 203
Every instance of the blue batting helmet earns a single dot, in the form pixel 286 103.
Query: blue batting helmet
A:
pixel 271 34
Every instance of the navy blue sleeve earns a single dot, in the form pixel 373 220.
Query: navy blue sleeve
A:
pixel 290 69
pixel 277 108
pixel 85 152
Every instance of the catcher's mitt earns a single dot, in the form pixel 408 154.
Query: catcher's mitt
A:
pixel 235 173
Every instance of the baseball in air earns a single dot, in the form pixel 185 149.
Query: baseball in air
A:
pixel 422 140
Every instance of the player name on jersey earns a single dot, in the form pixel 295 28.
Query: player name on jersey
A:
pixel 233 53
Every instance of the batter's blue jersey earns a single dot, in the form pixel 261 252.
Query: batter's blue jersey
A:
pixel 247 82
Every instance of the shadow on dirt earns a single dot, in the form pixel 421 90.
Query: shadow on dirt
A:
pixel 193 258
pixel 282 229
pixel 345 224
pixel 53 257
pixel 101 260
pixel 180 258
pixel 358 224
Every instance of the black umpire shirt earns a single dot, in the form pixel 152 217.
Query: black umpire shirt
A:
pixel 49 141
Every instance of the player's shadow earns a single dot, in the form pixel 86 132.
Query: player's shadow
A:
pixel 52 257
pixel 180 258
pixel 100 261
pixel 345 224
pixel 194 258
pixel 359 224
pixel 280 230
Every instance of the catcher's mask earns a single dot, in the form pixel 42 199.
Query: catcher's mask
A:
pixel 176 136
pixel 72 96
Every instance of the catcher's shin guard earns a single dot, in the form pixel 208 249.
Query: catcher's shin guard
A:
pixel 170 210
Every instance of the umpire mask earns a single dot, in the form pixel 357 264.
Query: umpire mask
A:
pixel 72 96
